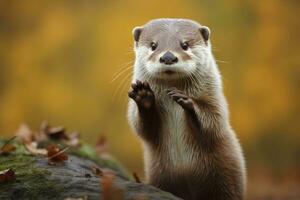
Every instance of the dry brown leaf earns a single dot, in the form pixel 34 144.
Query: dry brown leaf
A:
pixel 97 171
pixel 101 145
pixel 7 175
pixel 136 177
pixel 73 139
pixel 7 147
pixel 44 126
pixel 109 190
pixel 25 134
pixel 107 186
pixel 57 133
pixel 55 154
pixel 40 135
pixel 32 148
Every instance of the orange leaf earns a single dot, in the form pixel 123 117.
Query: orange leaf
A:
pixel 55 154
pixel 6 149
pixel 107 186
pixel 109 190
pixel 136 177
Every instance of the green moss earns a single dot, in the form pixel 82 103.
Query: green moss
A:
pixel 33 182
pixel 30 185
pixel 17 161
pixel 28 177
pixel 86 151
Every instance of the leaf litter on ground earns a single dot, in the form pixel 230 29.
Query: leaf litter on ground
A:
pixel 7 148
pixel 7 176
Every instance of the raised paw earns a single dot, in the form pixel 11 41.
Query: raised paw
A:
pixel 182 99
pixel 142 94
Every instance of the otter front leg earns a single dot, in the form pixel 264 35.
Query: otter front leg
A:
pixel 204 135
pixel 183 100
pixel 188 105
pixel 148 123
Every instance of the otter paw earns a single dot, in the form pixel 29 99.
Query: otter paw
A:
pixel 182 99
pixel 142 94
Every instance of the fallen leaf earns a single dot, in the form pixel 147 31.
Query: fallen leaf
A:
pixel 55 154
pixel 40 135
pixel 25 134
pixel 73 139
pixel 101 145
pixel 32 148
pixel 8 148
pixel 44 126
pixel 97 171
pixel 107 186
pixel 7 175
pixel 57 133
pixel 109 190
pixel 136 177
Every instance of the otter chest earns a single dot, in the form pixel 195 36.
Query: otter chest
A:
pixel 178 152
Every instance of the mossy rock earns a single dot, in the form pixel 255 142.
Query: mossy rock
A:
pixel 74 178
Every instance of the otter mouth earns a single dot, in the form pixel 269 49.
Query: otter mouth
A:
pixel 169 72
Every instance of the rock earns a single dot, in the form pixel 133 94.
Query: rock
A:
pixel 72 179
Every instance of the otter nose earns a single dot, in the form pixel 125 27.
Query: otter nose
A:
pixel 168 58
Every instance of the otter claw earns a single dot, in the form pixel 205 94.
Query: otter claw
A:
pixel 179 97
pixel 142 94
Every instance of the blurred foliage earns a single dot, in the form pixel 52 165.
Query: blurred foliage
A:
pixel 58 60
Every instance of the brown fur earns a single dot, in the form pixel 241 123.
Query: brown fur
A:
pixel 208 164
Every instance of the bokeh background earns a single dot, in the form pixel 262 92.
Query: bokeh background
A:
pixel 69 62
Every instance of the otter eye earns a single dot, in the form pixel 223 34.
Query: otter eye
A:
pixel 184 45
pixel 153 46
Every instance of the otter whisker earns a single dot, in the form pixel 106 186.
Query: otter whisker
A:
pixel 121 73
pixel 123 69
pixel 125 85
pixel 120 85
pixel 129 51
pixel 222 61
pixel 215 49
pixel 124 65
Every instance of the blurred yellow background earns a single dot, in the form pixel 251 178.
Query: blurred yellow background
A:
pixel 58 60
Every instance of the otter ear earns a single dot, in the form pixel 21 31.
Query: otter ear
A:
pixel 205 32
pixel 137 33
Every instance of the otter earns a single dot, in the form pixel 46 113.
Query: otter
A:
pixel 178 109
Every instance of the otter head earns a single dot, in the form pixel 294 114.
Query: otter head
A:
pixel 171 48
